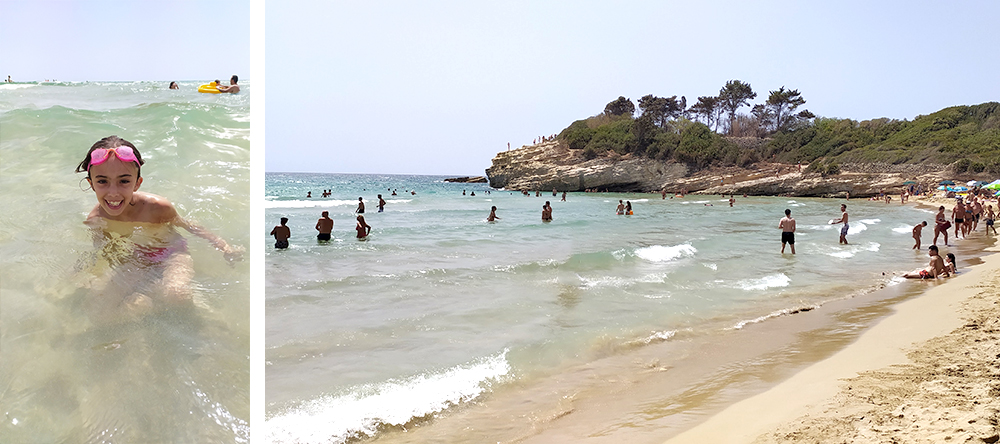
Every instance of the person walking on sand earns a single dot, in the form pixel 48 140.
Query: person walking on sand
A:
pixel 381 203
pixel 917 229
pixel 493 215
pixel 281 234
pixel 990 218
pixel 361 207
pixel 547 212
pixel 843 219
pixel 941 226
pixel 787 226
pixel 363 228
pixel 324 225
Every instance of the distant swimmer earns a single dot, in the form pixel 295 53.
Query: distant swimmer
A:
pixel 493 215
pixel 547 212
pixel 363 228
pixel 281 234
pixel 787 226
pixel 233 88
pixel 361 207
pixel 663 194
pixel 628 208
pixel 621 208
pixel 732 200
pixel 381 203
pixel 309 194
pixel 917 229
pixel 935 268
pixel 563 196
pixel 173 85
pixel 843 220
pixel 472 193
pixel 324 225
pixel 941 225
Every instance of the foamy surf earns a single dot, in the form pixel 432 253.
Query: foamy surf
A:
pixel 660 253
pixel 770 281
pixel 365 409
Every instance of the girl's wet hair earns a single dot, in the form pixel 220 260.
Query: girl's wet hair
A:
pixel 108 143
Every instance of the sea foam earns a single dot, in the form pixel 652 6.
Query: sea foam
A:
pixel 660 253
pixel 360 413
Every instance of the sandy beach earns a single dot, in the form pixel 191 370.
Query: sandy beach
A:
pixel 928 373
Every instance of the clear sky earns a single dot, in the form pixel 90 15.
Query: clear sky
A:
pixel 440 87
pixel 106 40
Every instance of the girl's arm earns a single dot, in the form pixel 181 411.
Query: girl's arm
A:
pixel 230 253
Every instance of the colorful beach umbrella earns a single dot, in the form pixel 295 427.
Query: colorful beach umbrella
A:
pixel 946 182
pixel 909 182
pixel 995 185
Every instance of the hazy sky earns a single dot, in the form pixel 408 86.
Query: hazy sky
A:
pixel 124 40
pixel 441 87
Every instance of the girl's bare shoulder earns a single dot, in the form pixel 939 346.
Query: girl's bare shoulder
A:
pixel 156 209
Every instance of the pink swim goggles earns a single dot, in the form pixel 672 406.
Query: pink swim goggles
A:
pixel 124 153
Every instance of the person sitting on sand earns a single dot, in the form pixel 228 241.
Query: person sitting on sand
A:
pixel 935 269
pixel 787 226
pixel 941 226
pixel 325 226
pixel 621 208
pixel 917 229
pixel 233 88
pixel 843 219
pixel 363 228
pixel 493 215
pixel 281 234
pixel 949 263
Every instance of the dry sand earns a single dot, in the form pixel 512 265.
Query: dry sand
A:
pixel 929 373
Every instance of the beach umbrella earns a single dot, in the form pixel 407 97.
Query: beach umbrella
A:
pixel 971 183
pixel 946 182
pixel 960 189
pixel 993 185
pixel 909 182
pixel 941 188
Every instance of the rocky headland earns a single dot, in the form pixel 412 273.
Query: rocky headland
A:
pixel 553 165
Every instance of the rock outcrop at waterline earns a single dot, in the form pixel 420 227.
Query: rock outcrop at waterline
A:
pixel 551 166
pixel 467 179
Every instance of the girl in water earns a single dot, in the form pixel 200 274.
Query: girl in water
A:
pixel 135 232
pixel 363 228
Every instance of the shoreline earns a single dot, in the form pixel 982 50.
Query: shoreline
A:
pixel 831 400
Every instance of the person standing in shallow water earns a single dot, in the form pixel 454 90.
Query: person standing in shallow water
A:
pixel 363 228
pixel 281 234
pixel 493 215
pixel 843 219
pixel 361 207
pixel 917 230
pixel 787 226
pixel 381 203
pixel 547 212
pixel 325 226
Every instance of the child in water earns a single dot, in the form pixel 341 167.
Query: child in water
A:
pixel 136 233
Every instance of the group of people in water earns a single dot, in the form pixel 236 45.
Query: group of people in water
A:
pixel 232 88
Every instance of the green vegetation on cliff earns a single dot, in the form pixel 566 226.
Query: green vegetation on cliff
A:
pixel 965 137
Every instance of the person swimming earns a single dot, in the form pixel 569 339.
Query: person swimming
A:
pixel 135 232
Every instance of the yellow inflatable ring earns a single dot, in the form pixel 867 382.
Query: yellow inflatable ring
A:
pixel 210 88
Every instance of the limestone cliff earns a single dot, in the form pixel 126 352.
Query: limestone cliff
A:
pixel 549 166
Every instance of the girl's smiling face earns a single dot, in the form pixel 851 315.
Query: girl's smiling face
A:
pixel 114 181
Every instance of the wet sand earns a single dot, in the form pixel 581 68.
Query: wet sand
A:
pixel 930 372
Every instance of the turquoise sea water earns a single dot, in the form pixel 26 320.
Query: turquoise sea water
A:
pixel 175 376
pixel 438 312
